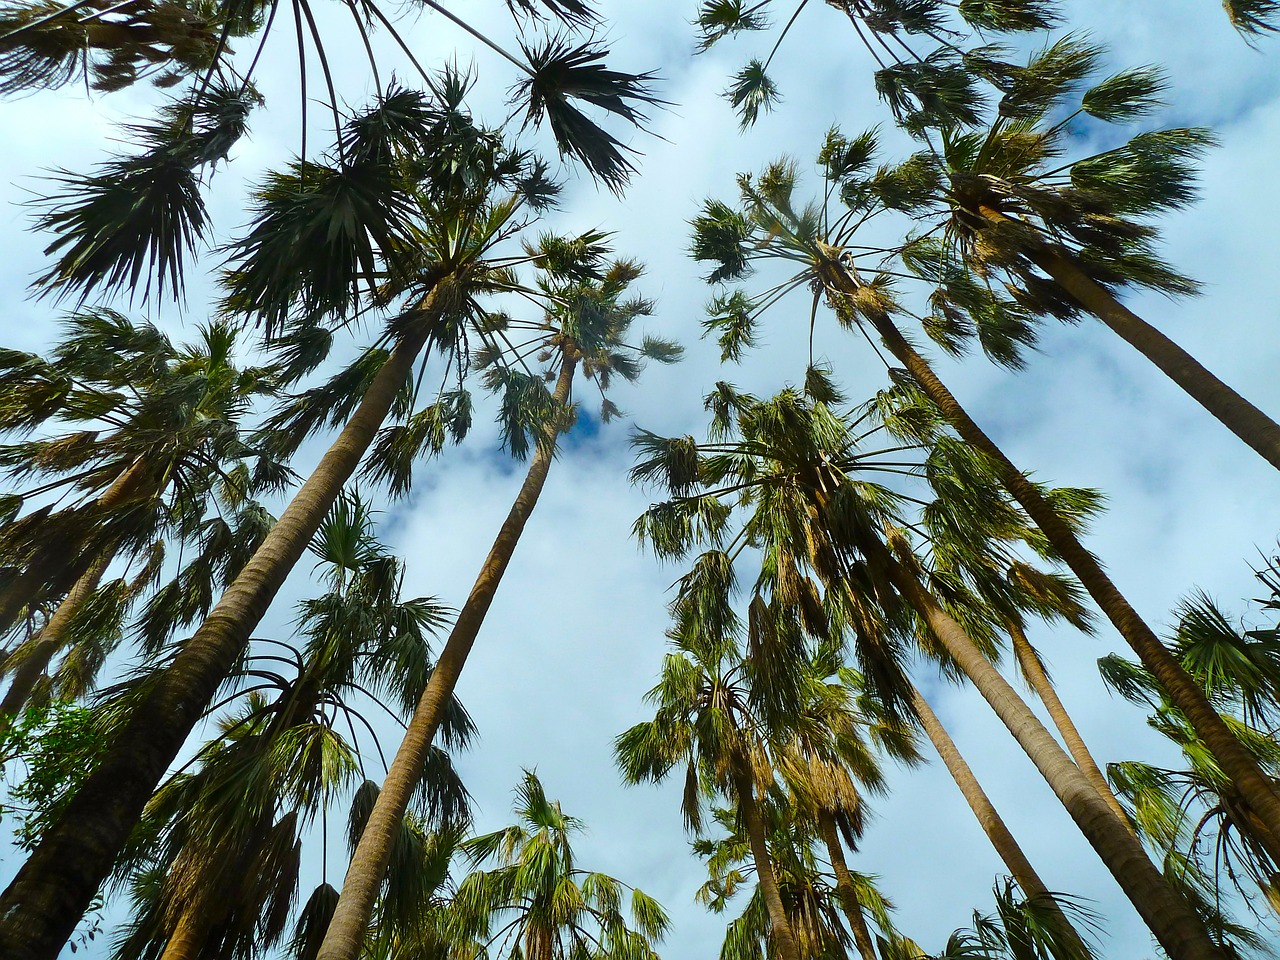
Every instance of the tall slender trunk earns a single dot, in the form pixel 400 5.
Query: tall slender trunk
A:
pixel 65 563
pixel 784 937
pixel 345 937
pixel 1236 762
pixel 1033 670
pixel 48 642
pixel 191 932
pixel 846 889
pixel 53 888
pixel 1168 916
pixel 989 819
pixel 1235 412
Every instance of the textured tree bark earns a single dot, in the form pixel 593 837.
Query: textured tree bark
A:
pixel 48 643
pixel 1235 412
pixel 846 889
pixel 988 817
pixel 1235 761
pixel 1168 916
pixel 42 905
pixel 1039 680
pixel 345 937
pixel 189 935
pixel 784 937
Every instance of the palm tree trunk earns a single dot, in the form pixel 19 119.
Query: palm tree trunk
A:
pixel 1168 916
pixel 44 902
pixel 1235 412
pixel 784 937
pixel 1236 762
pixel 51 565
pixel 345 937
pixel 1034 671
pixel 989 819
pixel 189 935
pixel 47 643
pixel 846 889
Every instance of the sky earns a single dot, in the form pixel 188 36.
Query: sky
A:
pixel 575 636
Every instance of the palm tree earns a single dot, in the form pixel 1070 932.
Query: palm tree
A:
pixel 1012 204
pixel 821 245
pixel 133 221
pixel 993 825
pixel 143 438
pixel 1020 929
pixel 449 215
pixel 586 326
pixel 220 857
pixel 1033 670
pixel 136 432
pixel 813 907
pixel 710 719
pixel 939 85
pixel 796 473
pixel 1185 813
pixel 536 903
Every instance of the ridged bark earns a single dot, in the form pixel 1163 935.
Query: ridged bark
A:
pixel 993 825
pixel 1168 916
pixel 1236 762
pixel 344 939
pixel 784 938
pixel 42 905
pixel 190 933
pixel 1040 683
pixel 1235 412
pixel 46 645
pixel 846 889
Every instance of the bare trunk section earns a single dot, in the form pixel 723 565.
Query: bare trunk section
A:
pixel 1168 916
pixel 1235 412
pixel 65 563
pixel 42 905
pixel 784 937
pixel 344 939
pixel 846 889
pixel 1039 680
pixel 189 936
pixel 988 817
pixel 47 644
pixel 1236 762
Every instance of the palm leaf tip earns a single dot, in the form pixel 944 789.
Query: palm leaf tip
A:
pixel 573 12
pixel 561 73
pixel 1252 18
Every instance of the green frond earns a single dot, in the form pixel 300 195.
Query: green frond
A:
pixel 563 73
pixel 1010 15
pixel 1050 74
pixel 752 92
pixel 721 235
pixel 718 19
pixel 935 91
pixel 135 220
pixel 319 236
pixel 1126 95
pixel 842 158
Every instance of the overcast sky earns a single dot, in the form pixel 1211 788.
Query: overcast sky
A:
pixel 576 634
